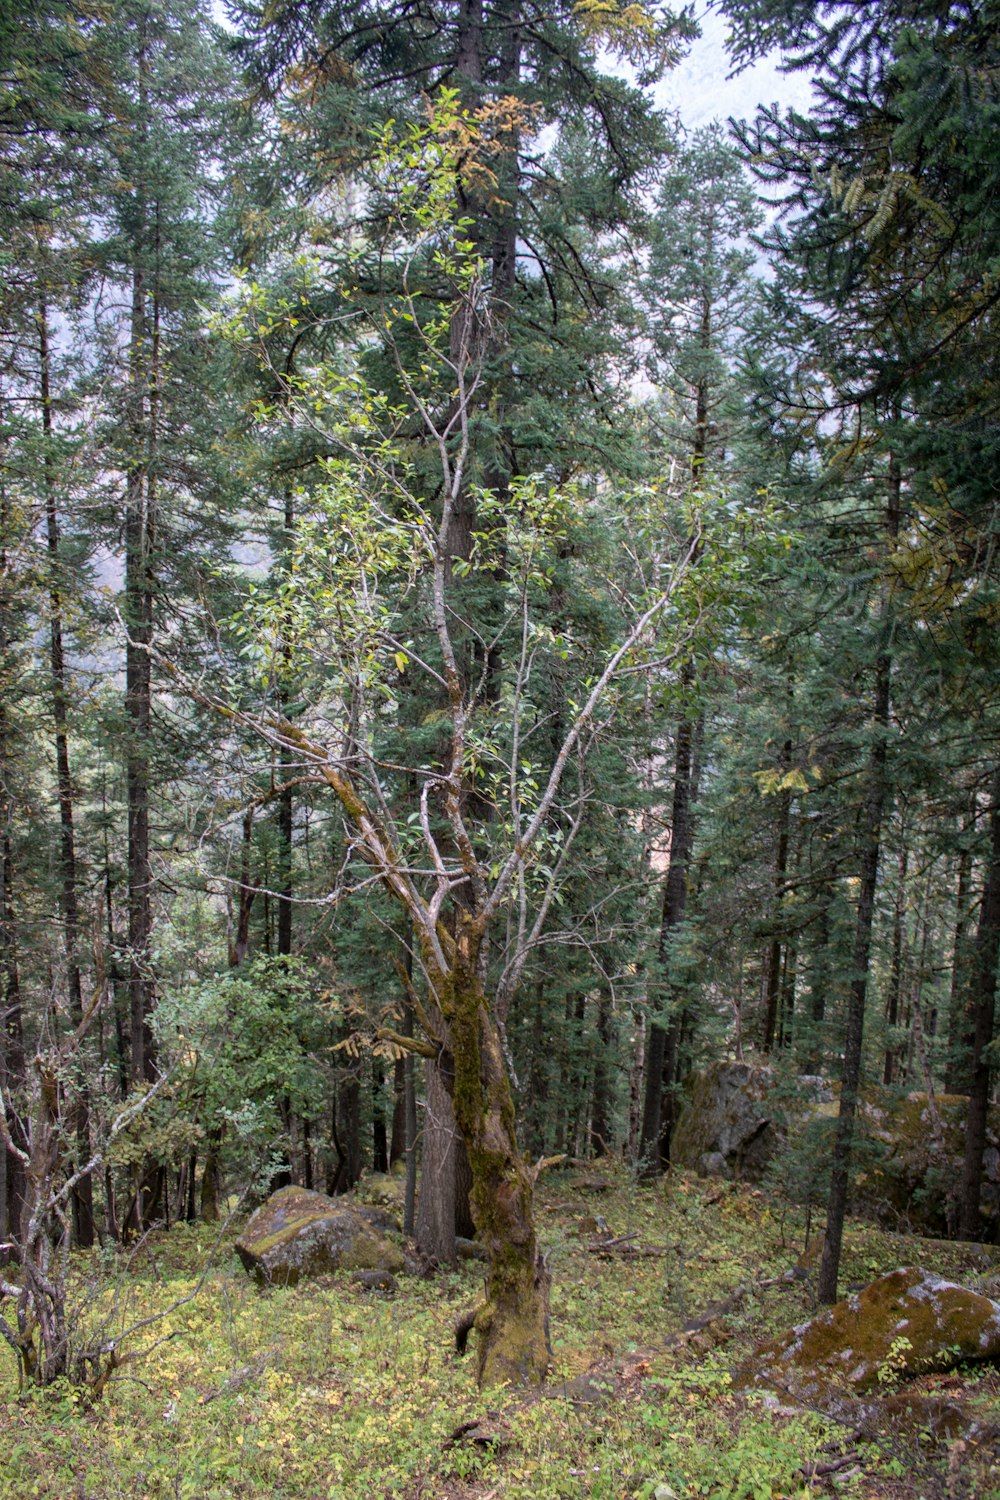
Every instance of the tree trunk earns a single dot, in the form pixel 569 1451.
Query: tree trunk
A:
pixel 12 1058
pixel 819 980
pixel 83 1196
pixel 960 1029
pixel 286 802
pixel 346 1131
pixel 139 536
pixel 984 988
pixel 851 1074
pixel 661 1052
pixel 600 1110
pixel 239 933
pixel 380 1135
pixel 871 825
pixel 435 1223
pixel 895 966
pixel 513 1325
pixel 210 1177
pixel 772 991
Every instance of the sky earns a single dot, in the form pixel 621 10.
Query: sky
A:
pixel 700 91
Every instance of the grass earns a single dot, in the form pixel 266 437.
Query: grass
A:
pixel 325 1391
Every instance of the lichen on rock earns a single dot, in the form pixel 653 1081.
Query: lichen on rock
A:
pixel 907 1323
pixel 299 1234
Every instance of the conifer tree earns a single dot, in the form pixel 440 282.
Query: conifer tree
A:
pixel 881 272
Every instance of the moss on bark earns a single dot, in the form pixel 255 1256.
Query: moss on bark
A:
pixel 512 1326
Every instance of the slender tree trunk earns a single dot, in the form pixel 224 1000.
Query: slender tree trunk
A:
pixel 114 966
pixel 210 1176
pixel 535 1111
pixel 579 1079
pixel 772 988
pixel 819 980
pixel 380 1136
pixel 13 1075
pixel 600 1111
pixel 409 1123
pixel 83 1196
pixel 851 1074
pixel 145 376
pixel 789 976
pixel 397 1129
pixel 12 1059
pixel 661 1051
pixel 286 800
pixel 895 964
pixel 239 940
pixel 139 582
pixel 960 1027
pixel 872 810
pixel 984 988
pixel 307 1155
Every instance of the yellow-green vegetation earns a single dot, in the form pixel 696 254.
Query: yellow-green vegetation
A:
pixel 326 1390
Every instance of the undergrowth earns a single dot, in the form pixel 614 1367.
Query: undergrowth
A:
pixel 330 1392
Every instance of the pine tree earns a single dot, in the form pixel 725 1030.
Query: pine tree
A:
pixel 880 268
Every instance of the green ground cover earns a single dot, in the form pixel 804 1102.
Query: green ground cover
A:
pixel 329 1392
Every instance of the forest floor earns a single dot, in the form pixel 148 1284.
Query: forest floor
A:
pixel 326 1390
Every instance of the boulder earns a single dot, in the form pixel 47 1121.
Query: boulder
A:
pixel 297 1234
pixel 738 1117
pixel 922 1153
pixel 727 1125
pixel 909 1322
pixel 382 1189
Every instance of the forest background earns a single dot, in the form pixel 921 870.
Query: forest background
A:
pixel 493 615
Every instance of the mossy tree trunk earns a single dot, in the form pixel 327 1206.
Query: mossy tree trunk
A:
pixel 513 1324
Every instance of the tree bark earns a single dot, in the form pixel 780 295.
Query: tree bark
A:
pixel 772 993
pixel 851 1075
pixel 960 1028
pixel 139 585
pixel 601 1103
pixel 380 1135
pixel 895 966
pixel 662 1048
pixel 512 1325
pixel 286 801
pixel 872 809
pixel 435 1222
pixel 83 1196
pixel 12 1059
pixel 13 1074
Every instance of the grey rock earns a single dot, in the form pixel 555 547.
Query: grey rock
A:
pixel 298 1234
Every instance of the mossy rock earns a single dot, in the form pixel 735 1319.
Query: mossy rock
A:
pixel 924 1148
pixel 727 1126
pixel 907 1323
pixel 382 1189
pixel 298 1234
pixel 740 1119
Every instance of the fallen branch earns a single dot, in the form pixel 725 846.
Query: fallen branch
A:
pixel 817 1470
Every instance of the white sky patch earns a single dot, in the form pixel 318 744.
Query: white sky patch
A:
pixel 700 90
